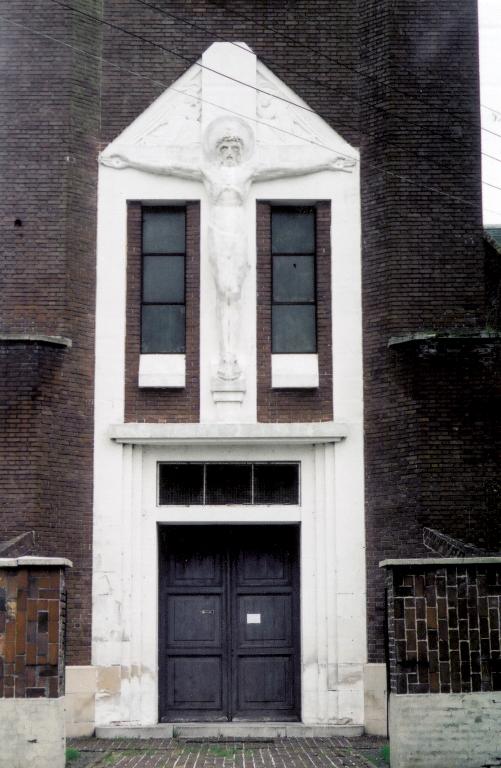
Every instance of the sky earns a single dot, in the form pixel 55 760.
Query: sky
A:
pixel 489 12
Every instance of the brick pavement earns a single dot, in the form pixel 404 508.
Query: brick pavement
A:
pixel 339 752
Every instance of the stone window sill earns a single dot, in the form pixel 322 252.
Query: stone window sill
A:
pixel 294 371
pixel 162 371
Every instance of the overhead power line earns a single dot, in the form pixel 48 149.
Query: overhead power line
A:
pixel 119 28
pixel 356 70
pixel 164 84
pixel 315 81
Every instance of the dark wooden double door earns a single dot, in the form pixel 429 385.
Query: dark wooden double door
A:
pixel 229 623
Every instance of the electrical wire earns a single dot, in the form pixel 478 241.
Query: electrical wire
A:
pixel 163 84
pixel 315 81
pixel 111 25
pixel 342 64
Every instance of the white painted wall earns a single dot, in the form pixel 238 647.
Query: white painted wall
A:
pixel 332 510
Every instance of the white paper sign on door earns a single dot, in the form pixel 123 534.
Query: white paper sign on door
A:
pixel 253 618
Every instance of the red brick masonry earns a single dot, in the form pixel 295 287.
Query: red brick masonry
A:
pixel 444 628
pixel 32 617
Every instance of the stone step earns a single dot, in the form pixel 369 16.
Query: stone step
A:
pixel 235 730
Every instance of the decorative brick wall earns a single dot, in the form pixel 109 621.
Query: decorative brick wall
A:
pixel 289 405
pixel 444 627
pixel 32 632
pixel 162 405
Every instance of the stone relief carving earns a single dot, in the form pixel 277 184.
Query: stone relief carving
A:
pixel 281 122
pixel 227 163
pixel 180 122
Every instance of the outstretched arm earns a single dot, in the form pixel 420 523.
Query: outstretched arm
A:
pixel 153 160
pixel 303 163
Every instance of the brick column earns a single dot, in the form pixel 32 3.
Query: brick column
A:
pixel 444 641
pixel 32 651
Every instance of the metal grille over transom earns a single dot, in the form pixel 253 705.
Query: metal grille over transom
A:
pixel 229 623
pixel 228 483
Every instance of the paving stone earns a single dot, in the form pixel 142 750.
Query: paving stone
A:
pixel 334 752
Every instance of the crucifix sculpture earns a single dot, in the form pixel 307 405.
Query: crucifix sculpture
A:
pixel 227 164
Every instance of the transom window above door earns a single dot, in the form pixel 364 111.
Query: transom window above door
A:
pixel 199 483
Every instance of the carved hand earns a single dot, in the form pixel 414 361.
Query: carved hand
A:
pixel 342 163
pixel 114 161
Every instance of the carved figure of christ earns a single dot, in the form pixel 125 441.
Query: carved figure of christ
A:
pixel 227 166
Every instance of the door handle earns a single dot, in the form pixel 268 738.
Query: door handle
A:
pixel 207 610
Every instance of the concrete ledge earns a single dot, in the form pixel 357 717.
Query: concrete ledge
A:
pixel 445 730
pixel 441 561
pixel 238 730
pixel 35 338
pixel 32 561
pixel 465 336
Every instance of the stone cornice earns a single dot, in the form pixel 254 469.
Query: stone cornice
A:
pixel 228 434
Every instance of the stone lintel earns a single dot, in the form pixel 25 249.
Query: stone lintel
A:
pixel 229 434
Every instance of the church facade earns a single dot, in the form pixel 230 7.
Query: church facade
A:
pixel 248 342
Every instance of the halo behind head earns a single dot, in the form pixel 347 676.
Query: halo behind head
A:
pixel 228 127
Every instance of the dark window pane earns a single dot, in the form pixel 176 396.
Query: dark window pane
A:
pixel 293 329
pixel 181 484
pixel 293 278
pixel 164 231
pixel 276 484
pixel 228 484
pixel 163 279
pixel 293 230
pixel 162 330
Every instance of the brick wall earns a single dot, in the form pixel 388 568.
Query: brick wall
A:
pixel 444 628
pixel 163 405
pixel 48 150
pixel 294 405
pixel 32 629
pixel 431 416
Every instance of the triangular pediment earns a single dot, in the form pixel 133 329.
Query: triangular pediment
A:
pixel 229 81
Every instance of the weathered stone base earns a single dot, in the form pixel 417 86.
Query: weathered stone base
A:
pixel 32 733
pixel 81 684
pixel 235 730
pixel 375 700
pixel 457 730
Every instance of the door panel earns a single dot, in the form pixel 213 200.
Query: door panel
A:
pixel 194 620
pixel 195 683
pixel 265 621
pixel 229 623
pixel 265 683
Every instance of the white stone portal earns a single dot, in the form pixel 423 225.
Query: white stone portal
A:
pixel 273 155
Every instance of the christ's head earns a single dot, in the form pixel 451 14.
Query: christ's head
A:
pixel 228 141
pixel 229 151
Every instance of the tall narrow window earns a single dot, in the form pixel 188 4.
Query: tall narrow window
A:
pixel 293 274
pixel 163 308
